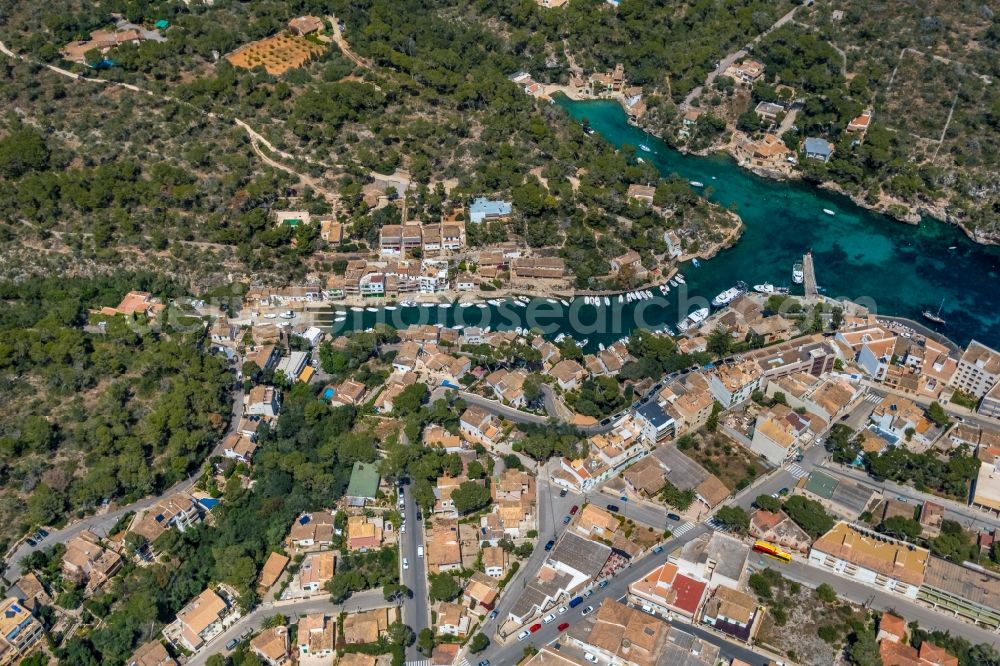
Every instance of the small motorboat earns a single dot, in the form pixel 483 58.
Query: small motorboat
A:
pixel 696 183
pixel 444 305
pixel 481 306
pixel 564 302
pixel 371 309
pixel 696 263
pixel 338 319
pixel 389 307
pixel 465 305
pixel 828 211
pixel 679 278
pixel 357 309
pixel 644 148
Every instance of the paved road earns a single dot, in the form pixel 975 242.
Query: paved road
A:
pixel 416 609
pixel 928 618
pixel 362 601
pixel 101 524
pixel 510 653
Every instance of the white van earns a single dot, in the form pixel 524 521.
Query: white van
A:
pixel 524 634
pixel 420 551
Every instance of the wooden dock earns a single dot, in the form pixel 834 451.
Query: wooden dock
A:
pixel 809 273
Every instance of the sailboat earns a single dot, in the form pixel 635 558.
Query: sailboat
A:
pixel 935 316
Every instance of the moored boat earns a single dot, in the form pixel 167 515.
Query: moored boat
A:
pixel 797 274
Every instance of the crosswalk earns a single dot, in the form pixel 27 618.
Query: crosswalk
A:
pixel 465 662
pixel 683 529
pixel 718 527
pixel 873 398
pixel 796 470
pixel 419 662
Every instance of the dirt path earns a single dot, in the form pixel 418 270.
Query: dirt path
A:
pixel 733 57
pixel 256 139
pixel 345 48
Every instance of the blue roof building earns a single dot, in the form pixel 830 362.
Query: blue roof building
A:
pixel 486 209
pixel 818 149
pixel 657 425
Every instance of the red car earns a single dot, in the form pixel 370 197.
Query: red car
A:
pixel 562 627
pixel 535 627
pixel 573 511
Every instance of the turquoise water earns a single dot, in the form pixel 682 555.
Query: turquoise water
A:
pixel 858 254
pixel 896 268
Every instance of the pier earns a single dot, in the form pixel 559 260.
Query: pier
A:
pixel 809 274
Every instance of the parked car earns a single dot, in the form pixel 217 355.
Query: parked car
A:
pixel 524 634
pixel 783 492
pixel 548 546
pixel 43 533
pixel 420 551
pixel 562 493
pixel 590 657
pixel 587 611
pixel 563 626
pixel 566 520
pixel 575 601
pixel 573 511
pixel 623 498
pixel 673 516
pixel 402 528
pixel 587 593
pixel 493 614
pixel 406 564
pixel 657 550
pixel 603 584
pixel 561 610
pixel 484 662
pixel 535 627
pixel 614 508
pixel 233 643
pixel 549 618
pixel 31 542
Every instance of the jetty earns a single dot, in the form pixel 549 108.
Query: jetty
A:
pixel 809 274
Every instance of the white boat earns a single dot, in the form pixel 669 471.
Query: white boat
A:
pixel 457 327
pixel 481 306
pixel 438 325
pixel 673 282
pixel 679 278
pixel 357 309
pixel 340 318
pixel 583 343
pixel 649 294
pixel 524 299
pixel 644 148
pixel 465 305
pixel 340 313
pixel 564 302
pixel 408 304
pixel 693 319
pixel 371 309
pixel 607 301
pixel 828 211
pixel 797 275
pixel 600 346
pixel 696 183
pixel 551 300
pixel 663 289
pixel 766 288
pixel 621 298
pixel 389 307
pixel 444 305
pixel 726 297
pixel 519 304
pixel 696 263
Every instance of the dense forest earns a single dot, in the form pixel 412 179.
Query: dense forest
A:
pixel 93 415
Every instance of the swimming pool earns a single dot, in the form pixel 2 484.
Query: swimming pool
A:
pixel 328 392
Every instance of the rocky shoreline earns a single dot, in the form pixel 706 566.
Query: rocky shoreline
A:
pixel 912 215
